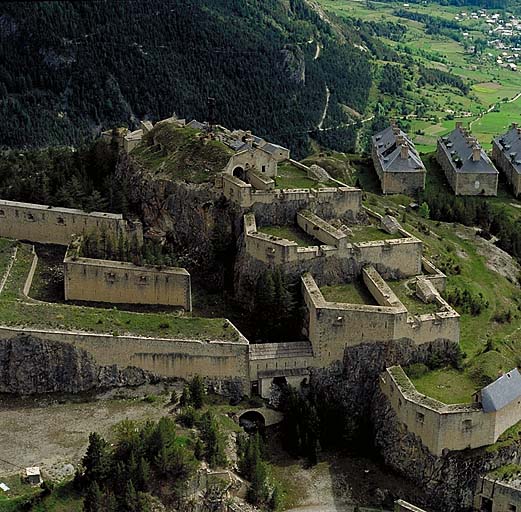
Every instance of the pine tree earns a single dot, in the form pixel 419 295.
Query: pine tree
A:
pixel 96 461
pixel 93 500
pixel 186 398
pixel 197 392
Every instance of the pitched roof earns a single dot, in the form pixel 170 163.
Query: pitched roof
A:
pixel 389 152
pixel 510 144
pixel 502 391
pixel 457 146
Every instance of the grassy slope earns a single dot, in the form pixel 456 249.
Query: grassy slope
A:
pixel 15 312
pixel 181 154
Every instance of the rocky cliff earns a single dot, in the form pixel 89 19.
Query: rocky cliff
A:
pixel 30 365
pixel 353 385
pixel 200 224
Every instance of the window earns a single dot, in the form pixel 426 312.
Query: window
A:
pixel 466 425
pixel 512 508
pixel 60 220
pixel 110 277
pixel 263 168
pixel 2 213
pixel 420 418
pixel 30 217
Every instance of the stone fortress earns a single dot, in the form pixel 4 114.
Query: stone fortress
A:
pixel 393 295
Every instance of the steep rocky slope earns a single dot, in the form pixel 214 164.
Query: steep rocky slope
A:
pixel 29 365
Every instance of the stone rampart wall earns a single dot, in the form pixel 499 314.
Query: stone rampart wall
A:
pixel 443 427
pixel 164 357
pixel 334 326
pixel 332 202
pixel 45 224
pixel 400 257
pixel 505 165
pixel 440 427
pixel 88 279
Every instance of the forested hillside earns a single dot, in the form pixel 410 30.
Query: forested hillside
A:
pixel 70 69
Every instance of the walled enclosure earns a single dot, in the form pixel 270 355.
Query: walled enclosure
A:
pixel 119 282
pixel 334 326
pixel 443 427
pixel 498 495
pixel 339 201
pixel 400 255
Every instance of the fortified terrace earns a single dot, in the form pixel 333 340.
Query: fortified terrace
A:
pixel 371 300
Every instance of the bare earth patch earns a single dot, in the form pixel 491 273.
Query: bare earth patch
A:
pixel 36 433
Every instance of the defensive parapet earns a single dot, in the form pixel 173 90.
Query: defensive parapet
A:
pixel 333 326
pixel 443 427
pixel 52 225
pixel 335 201
pixel 315 226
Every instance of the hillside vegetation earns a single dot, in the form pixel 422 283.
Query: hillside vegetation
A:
pixel 69 70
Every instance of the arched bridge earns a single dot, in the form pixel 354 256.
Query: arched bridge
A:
pixel 262 415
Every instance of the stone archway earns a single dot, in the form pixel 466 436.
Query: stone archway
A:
pixel 240 173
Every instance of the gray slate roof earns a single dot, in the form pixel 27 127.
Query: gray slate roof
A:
pixel 502 391
pixel 455 145
pixel 389 152
pixel 510 144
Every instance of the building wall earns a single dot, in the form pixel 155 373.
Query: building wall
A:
pixel 505 165
pixel 89 279
pixel 254 159
pixel 164 357
pixel 504 496
pixel 440 427
pixel 45 224
pixel 403 182
pixel 466 184
pixel 507 417
pixel 470 184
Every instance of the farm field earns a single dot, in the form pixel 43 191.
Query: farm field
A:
pixel 429 111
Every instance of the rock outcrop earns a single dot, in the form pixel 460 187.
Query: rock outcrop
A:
pixel 29 365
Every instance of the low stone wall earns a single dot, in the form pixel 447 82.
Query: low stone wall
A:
pixel 47 224
pixel 320 229
pixel 434 275
pixel 161 356
pixel 505 165
pixel 259 181
pixel 88 279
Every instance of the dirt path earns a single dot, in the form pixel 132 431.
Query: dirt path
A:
pixel 8 270
pixel 317 52
pixel 326 108
pixel 52 435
